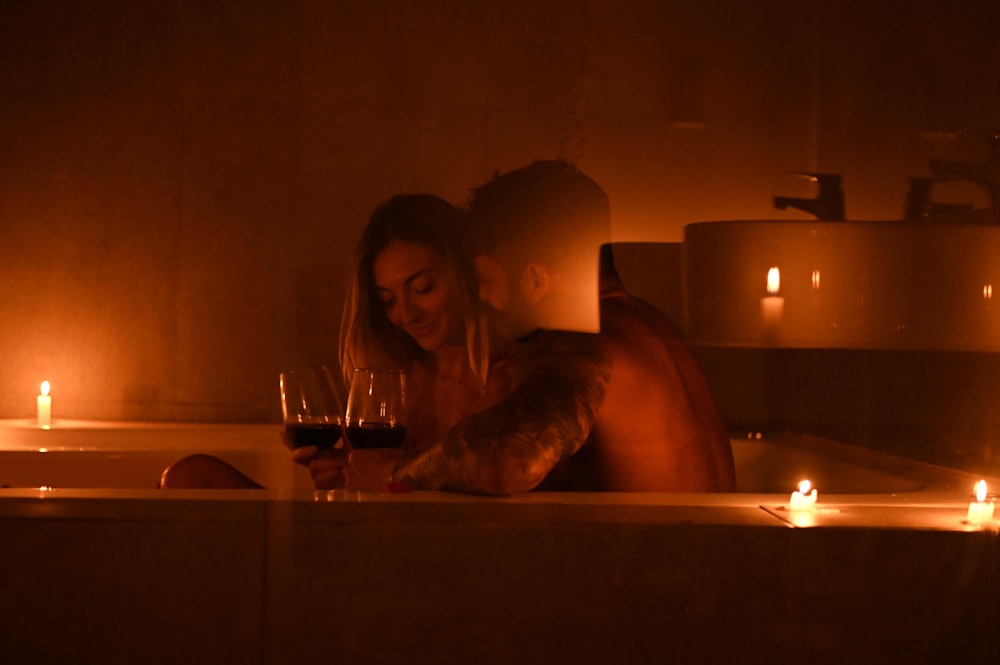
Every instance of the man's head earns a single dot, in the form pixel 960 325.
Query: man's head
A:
pixel 539 230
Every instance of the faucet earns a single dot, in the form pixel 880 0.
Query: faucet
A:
pixel 986 174
pixel 828 206
pixel 920 206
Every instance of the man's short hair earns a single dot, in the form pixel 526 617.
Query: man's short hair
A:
pixel 543 212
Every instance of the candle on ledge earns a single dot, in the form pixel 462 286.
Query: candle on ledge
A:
pixel 45 406
pixel 772 305
pixel 803 498
pixel 980 512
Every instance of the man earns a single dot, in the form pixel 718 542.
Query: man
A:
pixel 624 407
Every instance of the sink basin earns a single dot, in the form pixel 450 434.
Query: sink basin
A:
pixel 861 284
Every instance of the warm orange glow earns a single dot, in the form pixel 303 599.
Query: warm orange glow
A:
pixel 44 407
pixel 804 499
pixel 987 291
pixel 980 512
pixel 773 281
pixel 815 279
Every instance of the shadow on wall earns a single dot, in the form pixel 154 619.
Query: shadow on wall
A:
pixel 654 271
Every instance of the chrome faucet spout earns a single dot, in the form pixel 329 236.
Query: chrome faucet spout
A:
pixel 828 206
pixel 986 173
pixel 921 206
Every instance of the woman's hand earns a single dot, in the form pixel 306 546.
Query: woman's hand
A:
pixel 326 469
pixel 359 469
pixel 372 469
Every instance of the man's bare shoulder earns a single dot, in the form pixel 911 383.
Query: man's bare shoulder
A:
pixel 624 315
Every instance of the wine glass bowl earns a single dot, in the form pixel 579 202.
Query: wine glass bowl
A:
pixel 376 409
pixel 311 409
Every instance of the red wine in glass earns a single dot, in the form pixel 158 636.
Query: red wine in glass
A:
pixel 324 436
pixel 310 407
pixel 375 435
pixel 376 409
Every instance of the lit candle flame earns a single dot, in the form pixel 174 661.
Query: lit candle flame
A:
pixel 45 388
pixel 773 281
pixel 981 491
pixel 804 487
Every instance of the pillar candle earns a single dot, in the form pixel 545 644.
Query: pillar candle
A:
pixel 772 305
pixel 980 512
pixel 45 407
pixel 803 498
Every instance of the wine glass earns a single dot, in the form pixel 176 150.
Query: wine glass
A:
pixel 376 409
pixel 311 409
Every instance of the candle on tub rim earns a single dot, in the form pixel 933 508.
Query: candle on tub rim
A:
pixel 803 498
pixel 772 305
pixel 980 512
pixel 44 403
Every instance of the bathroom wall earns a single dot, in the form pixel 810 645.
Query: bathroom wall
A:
pixel 181 183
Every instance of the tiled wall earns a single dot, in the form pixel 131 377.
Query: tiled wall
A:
pixel 181 182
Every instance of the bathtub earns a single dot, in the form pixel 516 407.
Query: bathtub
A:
pixel 127 455
pixel 845 473
pixel 251 574
pixel 119 455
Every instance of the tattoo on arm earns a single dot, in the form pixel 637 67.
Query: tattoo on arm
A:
pixel 558 386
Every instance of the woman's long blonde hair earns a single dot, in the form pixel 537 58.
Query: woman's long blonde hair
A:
pixel 367 338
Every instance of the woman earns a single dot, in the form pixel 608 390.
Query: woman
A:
pixel 413 304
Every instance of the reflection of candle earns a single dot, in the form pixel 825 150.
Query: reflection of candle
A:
pixel 45 407
pixel 772 304
pixel 803 499
pixel 980 512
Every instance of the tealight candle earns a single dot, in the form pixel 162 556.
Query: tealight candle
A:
pixel 772 305
pixel 45 406
pixel 980 512
pixel 803 498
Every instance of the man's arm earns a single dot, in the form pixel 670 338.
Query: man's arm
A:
pixel 559 380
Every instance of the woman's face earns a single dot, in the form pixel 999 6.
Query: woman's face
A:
pixel 419 294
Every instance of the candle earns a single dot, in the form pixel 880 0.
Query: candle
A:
pixel 45 407
pixel 803 498
pixel 980 512
pixel 772 305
